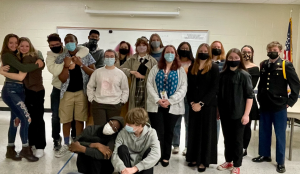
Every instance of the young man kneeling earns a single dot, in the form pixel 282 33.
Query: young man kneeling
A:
pixel 137 148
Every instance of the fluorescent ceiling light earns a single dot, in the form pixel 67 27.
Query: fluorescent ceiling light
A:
pixel 133 13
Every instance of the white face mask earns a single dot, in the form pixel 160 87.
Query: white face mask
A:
pixel 108 130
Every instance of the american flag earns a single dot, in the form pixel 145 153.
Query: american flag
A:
pixel 288 52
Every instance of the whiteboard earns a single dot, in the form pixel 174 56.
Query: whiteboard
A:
pixel 111 40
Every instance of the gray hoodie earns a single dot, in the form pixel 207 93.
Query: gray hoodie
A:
pixel 137 147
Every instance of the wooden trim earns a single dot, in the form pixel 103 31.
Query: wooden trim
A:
pixel 128 29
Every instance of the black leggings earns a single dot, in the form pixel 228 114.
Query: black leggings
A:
pixel 247 135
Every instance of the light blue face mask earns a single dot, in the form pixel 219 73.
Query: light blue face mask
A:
pixel 71 46
pixel 129 129
pixel 109 61
pixel 169 57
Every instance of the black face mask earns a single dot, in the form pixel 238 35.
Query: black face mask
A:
pixel 124 51
pixel 203 56
pixel 233 63
pixel 184 53
pixel 216 52
pixel 273 55
pixel 56 49
pixel 93 44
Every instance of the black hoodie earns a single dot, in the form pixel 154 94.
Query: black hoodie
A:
pixel 94 134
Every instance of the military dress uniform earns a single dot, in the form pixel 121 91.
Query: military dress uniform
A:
pixel 273 99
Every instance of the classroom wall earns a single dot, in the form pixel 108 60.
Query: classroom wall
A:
pixel 233 24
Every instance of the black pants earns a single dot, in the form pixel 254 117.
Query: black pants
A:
pixel 89 165
pixel 233 131
pixel 247 135
pixel 164 122
pixel 124 155
pixel 34 102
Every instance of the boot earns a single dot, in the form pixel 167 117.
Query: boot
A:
pixel 26 152
pixel 12 154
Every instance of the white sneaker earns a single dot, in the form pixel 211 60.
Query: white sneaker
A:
pixel 39 153
pixel 175 150
pixel 184 152
pixel 64 150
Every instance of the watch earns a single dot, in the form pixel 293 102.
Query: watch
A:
pixel 201 103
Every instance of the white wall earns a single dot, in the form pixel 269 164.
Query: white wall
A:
pixel 233 24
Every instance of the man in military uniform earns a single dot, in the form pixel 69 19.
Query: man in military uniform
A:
pixel 276 74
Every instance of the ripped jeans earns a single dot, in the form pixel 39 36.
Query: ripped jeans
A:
pixel 13 95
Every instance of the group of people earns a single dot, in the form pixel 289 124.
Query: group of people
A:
pixel 151 90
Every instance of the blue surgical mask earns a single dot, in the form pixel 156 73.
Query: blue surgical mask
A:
pixel 169 57
pixel 129 129
pixel 109 61
pixel 71 46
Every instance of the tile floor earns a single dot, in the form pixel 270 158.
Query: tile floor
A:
pixel 51 165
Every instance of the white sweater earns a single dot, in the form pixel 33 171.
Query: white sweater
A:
pixel 108 86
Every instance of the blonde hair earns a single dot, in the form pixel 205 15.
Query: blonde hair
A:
pixel 222 56
pixel 150 40
pixel 137 116
pixel 274 44
pixel 207 64
pixel 32 51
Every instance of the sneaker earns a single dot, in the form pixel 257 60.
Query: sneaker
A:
pixel 184 152
pixel 64 150
pixel 175 150
pixel 235 170
pixel 225 166
pixel 57 144
pixel 39 153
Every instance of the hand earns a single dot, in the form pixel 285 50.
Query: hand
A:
pixel 139 76
pixel 287 106
pixel 4 68
pixel 192 103
pixel 196 107
pixel 132 72
pixel 163 103
pixel 67 61
pixel 77 60
pixel 245 119
pixel 131 170
pixel 103 149
pixel 72 66
pixel 75 147
pixel 40 63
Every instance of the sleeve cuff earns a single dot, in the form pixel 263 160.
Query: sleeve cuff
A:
pixel 140 167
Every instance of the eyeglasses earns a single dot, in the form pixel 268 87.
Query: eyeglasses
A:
pixel 113 126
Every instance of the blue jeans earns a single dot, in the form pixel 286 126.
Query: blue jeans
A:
pixel 55 100
pixel 13 96
pixel 279 120
pixel 176 136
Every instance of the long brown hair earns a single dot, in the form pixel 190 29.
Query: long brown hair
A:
pixel 238 52
pixel 32 51
pixel 150 40
pixel 207 64
pixel 5 48
pixel 162 62
pixel 222 56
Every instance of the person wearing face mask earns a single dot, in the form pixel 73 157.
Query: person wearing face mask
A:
pixel 218 57
pixel 107 90
pixel 95 51
pixel 125 51
pixel 156 46
pixel 203 84
pixel 95 145
pixel 253 70
pixel 274 100
pixel 137 147
pixel 73 99
pixel 56 48
pixel 166 87
pixel 186 57
pixel 235 99
pixel 137 68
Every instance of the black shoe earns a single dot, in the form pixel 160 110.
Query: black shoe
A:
pixel 57 144
pixel 192 164
pixel 261 159
pixel 245 153
pixel 280 168
pixel 164 164
pixel 201 169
